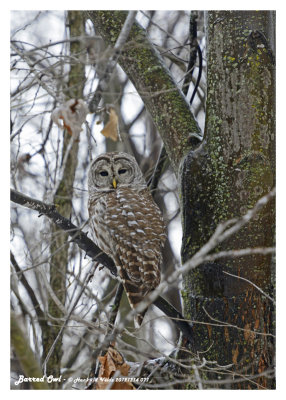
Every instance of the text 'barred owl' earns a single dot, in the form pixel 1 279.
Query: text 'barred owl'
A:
pixel 126 223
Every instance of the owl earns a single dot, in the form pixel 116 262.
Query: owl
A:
pixel 126 223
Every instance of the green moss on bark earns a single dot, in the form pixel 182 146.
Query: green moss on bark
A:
pixel 63 199
pixel 223 179
pixel 146 69
pixel 25 355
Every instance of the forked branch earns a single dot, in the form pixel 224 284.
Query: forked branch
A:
pixel 95 253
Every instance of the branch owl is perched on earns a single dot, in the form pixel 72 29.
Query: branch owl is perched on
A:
pixel 126 223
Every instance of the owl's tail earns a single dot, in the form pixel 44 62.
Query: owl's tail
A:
pixel 135 295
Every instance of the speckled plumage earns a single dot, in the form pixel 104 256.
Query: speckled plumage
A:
pixel 126 222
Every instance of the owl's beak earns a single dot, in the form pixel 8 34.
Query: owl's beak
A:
pixel 114 183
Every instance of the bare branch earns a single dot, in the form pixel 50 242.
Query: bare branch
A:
pixel 25 354
pixel 93 251
pixel 111 63
pixel 77 236
pixel 251 283
pixel 145 67
pixel 221 233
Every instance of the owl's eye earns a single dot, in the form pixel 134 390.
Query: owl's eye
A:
pixel 122 171
pixel 103 173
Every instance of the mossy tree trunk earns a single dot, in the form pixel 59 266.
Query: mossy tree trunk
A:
pixel 63 199
pixel 25 354
pixel 221 179
pixel 146 69
pixel 230 171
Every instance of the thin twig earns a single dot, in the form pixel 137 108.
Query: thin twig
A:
pixel 111 64
pixel 67 318
pixel 159 169
pixel 239 253
pixel 116 304
pixel 37 74
pixel 30 291
pixel 199 74
pixel 161 29
pixel 251 283
pixel 198 378
pixel 81 38
pixel 222 233
pixel 94 370
pixel 93 251
pixel 228 325
pixel 193 52
pixel 78 237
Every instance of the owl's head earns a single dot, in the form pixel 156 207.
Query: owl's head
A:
pixel 110 171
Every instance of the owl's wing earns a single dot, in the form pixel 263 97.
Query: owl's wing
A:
pixel 129 227
pixel 97 209
pixel 137 230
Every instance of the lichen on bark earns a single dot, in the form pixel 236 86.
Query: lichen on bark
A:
pixel 230 171
pixel 63 200
pixel 146 69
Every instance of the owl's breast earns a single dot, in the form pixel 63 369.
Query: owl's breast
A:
pixel 133 215
pixel 128 218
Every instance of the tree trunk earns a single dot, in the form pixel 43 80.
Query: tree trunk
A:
pixel 165 102
pixel 25 354
pixel 231 170
pixel 63 199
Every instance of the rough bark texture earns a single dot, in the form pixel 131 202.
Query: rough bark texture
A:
pixel 232 169
pixel 63 199
pixel 25 355
pixel 145 68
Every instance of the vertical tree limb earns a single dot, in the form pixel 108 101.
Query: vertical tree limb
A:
pixel 112 61
pixel 25 355
pixel 146 69
pixel 63 199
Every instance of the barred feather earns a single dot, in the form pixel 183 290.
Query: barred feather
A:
pixel 129 227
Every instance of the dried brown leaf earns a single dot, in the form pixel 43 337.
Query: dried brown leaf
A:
pixel 71 115
pixel 111 362
pixel 111 128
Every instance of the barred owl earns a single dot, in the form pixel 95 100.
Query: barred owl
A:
pixel 126 223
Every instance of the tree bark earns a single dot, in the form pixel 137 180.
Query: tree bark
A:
pixel 220 180
pixel 63 199
pixel 25 354
pixel 231 170
pixel 93 251
pixel 145 68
